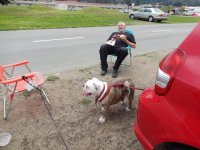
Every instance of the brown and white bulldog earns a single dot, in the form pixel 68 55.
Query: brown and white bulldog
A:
pixel 109 94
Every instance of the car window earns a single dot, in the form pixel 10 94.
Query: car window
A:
pixel 157 10
pixel 147 10
pixel 141 10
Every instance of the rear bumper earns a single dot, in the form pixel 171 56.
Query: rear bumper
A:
pixel 157 122
pixel 141 138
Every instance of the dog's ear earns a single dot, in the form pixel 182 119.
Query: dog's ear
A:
pixel 96 79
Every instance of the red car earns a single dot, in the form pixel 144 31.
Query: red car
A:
pixel 169 112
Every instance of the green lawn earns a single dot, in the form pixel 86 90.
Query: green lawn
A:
pixel 183 19
pixel 41 17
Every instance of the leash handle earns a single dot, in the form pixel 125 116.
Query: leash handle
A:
pixel 26 79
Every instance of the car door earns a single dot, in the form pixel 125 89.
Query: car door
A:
pixel 147 13
pixel 139 13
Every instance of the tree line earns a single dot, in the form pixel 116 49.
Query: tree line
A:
pixel 141 2
pixel 137 2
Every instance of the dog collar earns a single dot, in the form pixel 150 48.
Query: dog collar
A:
pixel 103 93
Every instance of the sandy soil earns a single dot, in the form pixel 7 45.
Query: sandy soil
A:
pixel 76 116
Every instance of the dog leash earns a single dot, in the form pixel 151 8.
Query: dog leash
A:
pixel 99 98
pixel 26 80
pixel 140 89
pixel 122 85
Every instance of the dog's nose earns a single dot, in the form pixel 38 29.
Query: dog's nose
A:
pixel 86 94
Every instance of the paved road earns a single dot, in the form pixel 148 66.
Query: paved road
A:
pixel 56 50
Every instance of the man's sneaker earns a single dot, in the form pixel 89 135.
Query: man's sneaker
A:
pixel 115 73
pixel 103 72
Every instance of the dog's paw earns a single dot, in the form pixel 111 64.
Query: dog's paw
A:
pixel 121 102
pixel 128 109
pixel 102 108
pixel 102 119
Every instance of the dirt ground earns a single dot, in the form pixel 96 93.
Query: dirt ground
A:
pixel 77 117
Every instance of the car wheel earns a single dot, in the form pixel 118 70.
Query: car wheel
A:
pixel 173 146
pixel 150 19
pixel 132 17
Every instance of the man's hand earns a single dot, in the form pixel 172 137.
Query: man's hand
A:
pixel 123 38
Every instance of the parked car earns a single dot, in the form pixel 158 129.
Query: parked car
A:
pixel 169 112
pixel 188 13
pixel 175 11
pixel 150 14
pixel 196 14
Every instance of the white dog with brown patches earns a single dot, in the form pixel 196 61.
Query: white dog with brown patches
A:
pixel 109 94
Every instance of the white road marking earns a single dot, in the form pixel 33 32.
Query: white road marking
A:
pixel 49 40
pixel 161 30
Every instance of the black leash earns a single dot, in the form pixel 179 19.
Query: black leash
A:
pixel 138 88
pixel 26 79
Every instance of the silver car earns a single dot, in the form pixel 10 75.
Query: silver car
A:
pixel 150 14
pixel 188 13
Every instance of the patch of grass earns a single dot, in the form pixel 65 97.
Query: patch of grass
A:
pixel 85 70
pixel 26 93
pixel 52 78
pixel 183 19
pixel 85 101
pixel 179 19
pixel 149 54
pixel 43 17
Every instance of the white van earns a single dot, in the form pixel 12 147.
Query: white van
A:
pixel 189 11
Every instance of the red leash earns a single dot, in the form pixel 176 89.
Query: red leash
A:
pixel 119 85
pixel 122 85
pixel 135 88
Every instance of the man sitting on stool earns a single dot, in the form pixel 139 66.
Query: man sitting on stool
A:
pixel 116 44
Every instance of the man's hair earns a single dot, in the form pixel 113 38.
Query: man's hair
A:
pixel 121 22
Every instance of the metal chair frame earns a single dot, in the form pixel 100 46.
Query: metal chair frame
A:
pixel 15 84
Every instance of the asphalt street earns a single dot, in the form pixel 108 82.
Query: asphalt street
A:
pixel 56 50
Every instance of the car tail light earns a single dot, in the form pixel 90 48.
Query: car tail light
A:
pixel 167 71
pixel 163 15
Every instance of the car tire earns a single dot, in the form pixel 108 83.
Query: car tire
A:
pixel 173 146
pixel 132 17
pixel 150 19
